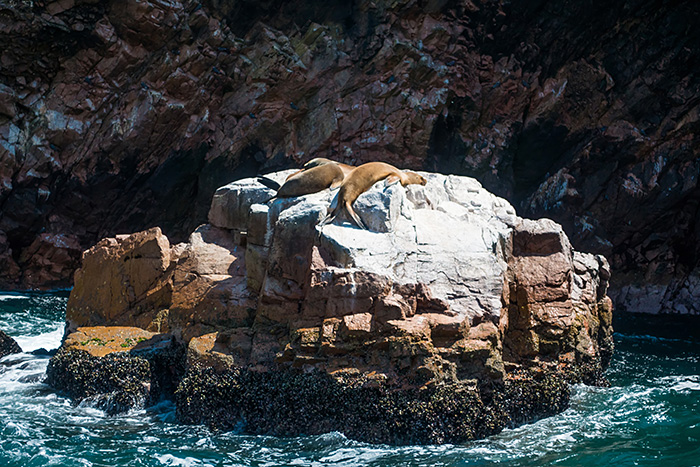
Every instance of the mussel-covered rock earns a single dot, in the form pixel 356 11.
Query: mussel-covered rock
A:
pixel 115 369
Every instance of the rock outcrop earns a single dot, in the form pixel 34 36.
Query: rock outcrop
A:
pixel 449 319
pixel 116 116
pixel 116 368
pixel 8 345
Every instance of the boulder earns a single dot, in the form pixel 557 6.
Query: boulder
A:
pixel 122 282
pixel 8 345
pixel 116 369
pixel 448 296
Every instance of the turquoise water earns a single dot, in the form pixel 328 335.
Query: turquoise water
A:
pixel 649 417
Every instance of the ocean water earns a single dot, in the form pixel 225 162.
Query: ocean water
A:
pixel 650 416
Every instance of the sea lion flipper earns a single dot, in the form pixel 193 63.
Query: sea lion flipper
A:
pixel 331 213
pixel 354 216
pixel 391 180
pixel 268 182
pixel 327 220
pixel 333 208
pixel 336 184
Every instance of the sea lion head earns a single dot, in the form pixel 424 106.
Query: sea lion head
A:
pixel 412 178
pixel 316 162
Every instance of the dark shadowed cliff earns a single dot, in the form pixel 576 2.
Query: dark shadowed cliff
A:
pixel 117 116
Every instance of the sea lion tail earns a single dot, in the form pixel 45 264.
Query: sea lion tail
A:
pixel 270 183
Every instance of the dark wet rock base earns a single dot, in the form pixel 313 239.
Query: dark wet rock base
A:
pixel 292 403
pixel 8 345
pixel 117 382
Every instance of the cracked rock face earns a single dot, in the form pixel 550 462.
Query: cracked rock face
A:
pixel 449 296
pixel 117 116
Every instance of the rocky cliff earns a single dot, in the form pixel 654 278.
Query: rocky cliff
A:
pixel 116 116
pixel 449 319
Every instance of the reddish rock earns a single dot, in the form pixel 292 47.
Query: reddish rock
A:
pixel 115 117
pixel 557 301
pixel 209 286
pixel 141 280
pixel 123 282
pixel 99 341
pixel 50 261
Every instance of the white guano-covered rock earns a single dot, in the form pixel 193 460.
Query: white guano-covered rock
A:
pixel 446 286
pixel 450 236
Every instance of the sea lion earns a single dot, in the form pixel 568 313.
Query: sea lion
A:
pixel 319 161
pixel 310 181
pixel 360 180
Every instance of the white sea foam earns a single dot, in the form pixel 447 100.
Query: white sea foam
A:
pixel 684 383
pixel 49 340
pixel 12 297
pixel 170 460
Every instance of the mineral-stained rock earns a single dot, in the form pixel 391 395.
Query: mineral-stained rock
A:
pixel 451 318
pixel 557 301
pixel 102 340
pixel 141 280
pixel 122 282
pixel 8 345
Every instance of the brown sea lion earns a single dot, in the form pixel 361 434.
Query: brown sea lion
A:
pixel 360 180
pixel 311 180
pixel 319 161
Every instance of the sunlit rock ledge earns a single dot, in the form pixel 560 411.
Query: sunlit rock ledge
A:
pixel 450 318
